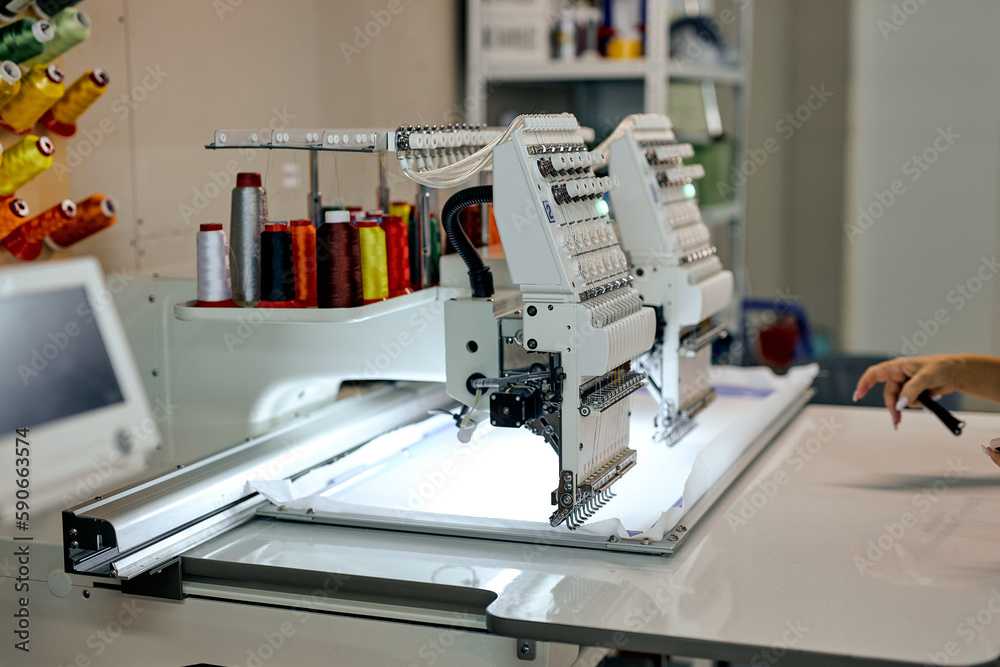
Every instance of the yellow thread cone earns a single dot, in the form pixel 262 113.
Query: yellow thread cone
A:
pixel 79 97
pixel 39 90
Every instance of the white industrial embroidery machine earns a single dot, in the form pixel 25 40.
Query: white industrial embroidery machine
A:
pixel 362 531
pixel 671 254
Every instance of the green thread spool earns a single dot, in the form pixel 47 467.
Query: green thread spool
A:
pixel 71 27
pixel 24 39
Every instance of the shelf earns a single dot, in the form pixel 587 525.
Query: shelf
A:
pixel 717 214
pixel 606 70
pixel 390 307
pixel 556 70
pixel 679 71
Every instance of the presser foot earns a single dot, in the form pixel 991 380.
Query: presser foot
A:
pixel 582 511
pixel 678 427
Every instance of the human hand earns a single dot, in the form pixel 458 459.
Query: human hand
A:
pixel 993 451
pixel 906 377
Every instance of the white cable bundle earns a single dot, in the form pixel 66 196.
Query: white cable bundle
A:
pixel 453 174
pixel 627 123
pixel 213 265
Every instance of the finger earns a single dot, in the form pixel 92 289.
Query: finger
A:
pixel 993 454
pixel 867 380
pixel 913 388
pixel 891 396
pixel 887 370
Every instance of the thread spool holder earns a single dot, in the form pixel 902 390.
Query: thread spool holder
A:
pixel 375 141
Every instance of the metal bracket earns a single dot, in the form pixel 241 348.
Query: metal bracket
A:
pixel 526 649
pixel 166 582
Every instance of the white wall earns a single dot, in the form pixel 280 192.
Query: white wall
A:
pixel 938 70
pixel 241 64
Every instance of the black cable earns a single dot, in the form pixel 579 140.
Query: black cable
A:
pixel 480 277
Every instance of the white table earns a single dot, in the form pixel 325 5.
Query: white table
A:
pixel 845 542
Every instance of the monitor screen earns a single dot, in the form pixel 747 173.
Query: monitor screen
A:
pixel 53 363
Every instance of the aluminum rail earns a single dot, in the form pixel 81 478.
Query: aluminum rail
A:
pixel 126 532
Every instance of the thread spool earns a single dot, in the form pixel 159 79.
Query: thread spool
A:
pixel 324 210
pixel 13 213
pixel 25 242
pixel 408 212
pixel 494 235
pixel 248 216
pixel 40 89
pixel 9 9
pixel 24 161
pixel 214 289
pixel 304 259
pixel 94 213
pixel 357 212
pixel 277 272
pixel 435 247
pixel 24 39
pixel 69 27
pixel 397 245
pixel 374 264
pixel 338 262
pixel 10 81
pixel 62 116
pixel 49 8
pixel 402 209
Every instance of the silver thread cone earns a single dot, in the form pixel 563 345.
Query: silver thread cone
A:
pixel 247 219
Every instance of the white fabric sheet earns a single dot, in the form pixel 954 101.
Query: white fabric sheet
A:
pixel 504 477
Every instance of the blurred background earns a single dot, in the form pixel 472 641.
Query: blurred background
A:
pixel 852 148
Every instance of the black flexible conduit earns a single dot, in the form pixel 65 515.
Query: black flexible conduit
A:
pixel 480 277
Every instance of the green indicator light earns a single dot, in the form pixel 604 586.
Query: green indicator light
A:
pixel 602 207
pixel 689 190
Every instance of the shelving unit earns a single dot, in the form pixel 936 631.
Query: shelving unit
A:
pixel 653 72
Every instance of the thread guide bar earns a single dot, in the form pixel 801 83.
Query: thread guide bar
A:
pixel 366 140
pixel 363 140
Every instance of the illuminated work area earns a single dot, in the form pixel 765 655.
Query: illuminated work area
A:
pixel 496 332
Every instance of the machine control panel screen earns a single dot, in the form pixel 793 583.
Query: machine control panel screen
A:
pixel 53 362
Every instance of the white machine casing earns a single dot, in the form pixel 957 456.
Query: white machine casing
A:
pixel 580 317
pixel 676 268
